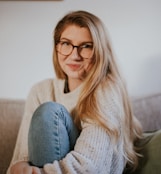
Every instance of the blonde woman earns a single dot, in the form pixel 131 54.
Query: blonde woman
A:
pixel 81 122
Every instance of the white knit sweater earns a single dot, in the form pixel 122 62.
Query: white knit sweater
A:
pixel 93 153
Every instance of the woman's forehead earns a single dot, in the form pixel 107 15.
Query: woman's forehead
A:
pixel 76 33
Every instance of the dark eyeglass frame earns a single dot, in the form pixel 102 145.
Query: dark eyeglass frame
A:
pixel 79 47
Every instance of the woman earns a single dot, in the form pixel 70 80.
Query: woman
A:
pixel 80 122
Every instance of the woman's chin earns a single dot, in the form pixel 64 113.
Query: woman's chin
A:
pixel 74 76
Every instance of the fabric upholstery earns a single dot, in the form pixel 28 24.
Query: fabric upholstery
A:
pixel 11 112
pixel 148 111
pixel 150 162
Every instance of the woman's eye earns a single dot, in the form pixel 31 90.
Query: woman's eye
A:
pixel 65 43
pixel 87 46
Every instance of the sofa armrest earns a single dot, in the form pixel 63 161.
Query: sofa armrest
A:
pixel 11 112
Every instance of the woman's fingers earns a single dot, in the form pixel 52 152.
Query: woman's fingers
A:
pixel 36 170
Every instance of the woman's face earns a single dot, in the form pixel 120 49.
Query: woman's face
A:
pixel 75 61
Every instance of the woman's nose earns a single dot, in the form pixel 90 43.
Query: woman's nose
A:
pixel 74 54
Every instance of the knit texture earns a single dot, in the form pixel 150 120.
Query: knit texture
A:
pixel 93 153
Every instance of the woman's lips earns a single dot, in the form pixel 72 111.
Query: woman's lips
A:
pixel 74 66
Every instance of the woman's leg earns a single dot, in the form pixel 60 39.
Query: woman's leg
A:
pixel 52 134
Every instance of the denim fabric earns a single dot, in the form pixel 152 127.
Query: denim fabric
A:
pixel 52 134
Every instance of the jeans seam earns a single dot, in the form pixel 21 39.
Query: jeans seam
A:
pixel 56 126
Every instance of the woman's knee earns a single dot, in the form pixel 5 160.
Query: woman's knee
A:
pixel 52 116
pixel 46 113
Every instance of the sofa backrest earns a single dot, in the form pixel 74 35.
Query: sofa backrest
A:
pixel 148 111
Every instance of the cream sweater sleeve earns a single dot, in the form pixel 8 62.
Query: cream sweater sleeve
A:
pixel 32 102
pixel 93 154
pixel 21 149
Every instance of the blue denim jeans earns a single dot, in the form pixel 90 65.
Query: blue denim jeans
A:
pixel 52 134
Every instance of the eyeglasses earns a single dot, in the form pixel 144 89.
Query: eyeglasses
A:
pixel 85 50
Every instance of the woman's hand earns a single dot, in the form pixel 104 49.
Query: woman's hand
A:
pixel 24 168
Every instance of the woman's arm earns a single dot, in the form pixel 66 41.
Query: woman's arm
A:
pixel 36 96
pixel 93 153
pixel 21 149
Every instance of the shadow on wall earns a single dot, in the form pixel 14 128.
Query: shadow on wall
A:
pixel 149 79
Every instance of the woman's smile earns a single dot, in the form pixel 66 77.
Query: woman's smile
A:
pixel 74 67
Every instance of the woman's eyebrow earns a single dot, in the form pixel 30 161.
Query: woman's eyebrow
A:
pixel 87 42
pixel 63 38
pixel 84 42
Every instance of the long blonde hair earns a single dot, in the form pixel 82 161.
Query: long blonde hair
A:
pixel 104 72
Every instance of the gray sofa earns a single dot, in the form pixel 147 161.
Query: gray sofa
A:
pixel 146 109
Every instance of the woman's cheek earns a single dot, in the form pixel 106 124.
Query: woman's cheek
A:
pixel 88 66
pixel 85 69
pixel 61 60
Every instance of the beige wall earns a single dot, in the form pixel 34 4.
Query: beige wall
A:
pixel 26 41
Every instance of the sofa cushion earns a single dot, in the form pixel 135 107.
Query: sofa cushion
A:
pixel 150 163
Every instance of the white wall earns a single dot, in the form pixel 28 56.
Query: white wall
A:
pixel 26 41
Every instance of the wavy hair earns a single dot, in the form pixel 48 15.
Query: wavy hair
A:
pixel 104 72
